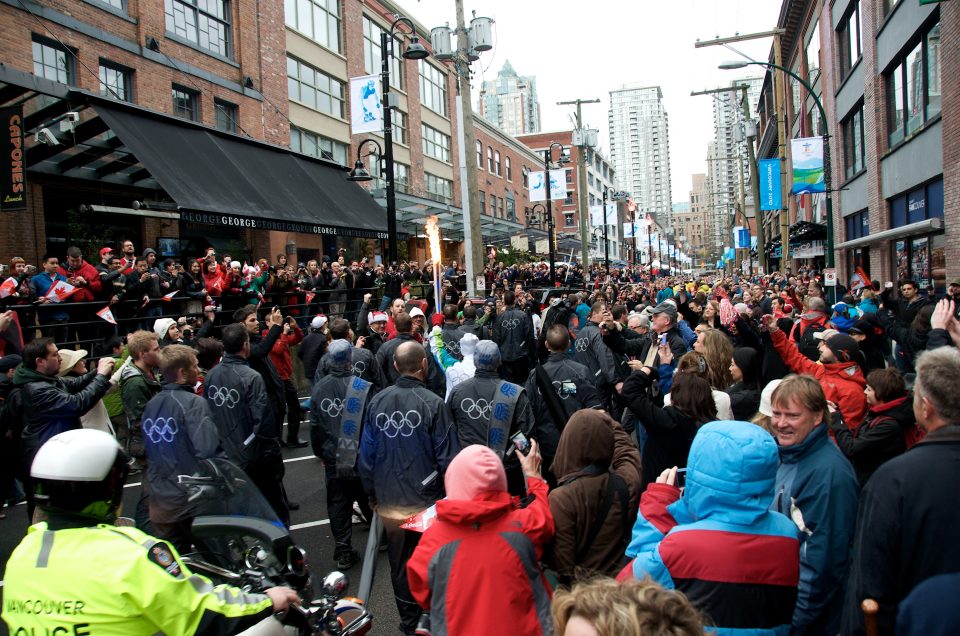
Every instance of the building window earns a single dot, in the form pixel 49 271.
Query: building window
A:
pixel 913 87
pixel 52 61
pixel 186 103
pixel 502 215
pixel 888 6
pixel 399 119
pixel 314 89
pixel 569 175
pixel 512 209
pixel 319 146
pixel 490 167
pixel 848 35
pixel 509 169
pixel 205 23
pixel 568 219
pixel 813 55
pixel 483 201
pixel 372 60
pixel 401 177
pixel 226 115
pixel 526 176
pixel 114 81
pixel 435 143
pixel 116 4
pixel 438 188
pixel 496 162
pixel 493 205
pixel 569 199
pixel 857 225
pixel 479 155
pixel 433 88
pixel 319 20
pixel 854 159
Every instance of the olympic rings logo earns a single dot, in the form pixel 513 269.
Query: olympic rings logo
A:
pixel 359 368
pixel 581 345
pixel 510 323
pixel 398 423
pixel 558 385
pixel 160 429
pixel 222 396
pixel 331 407
pixel 475 410
pixel 453 347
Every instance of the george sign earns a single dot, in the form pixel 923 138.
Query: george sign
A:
pixel 538 185
pixel 807 165
pixel 830 277
pixel 260 223
pixel 366 105
pixel 770 191
pixel 13 182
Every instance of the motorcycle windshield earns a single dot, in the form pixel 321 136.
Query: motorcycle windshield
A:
pixel 219 487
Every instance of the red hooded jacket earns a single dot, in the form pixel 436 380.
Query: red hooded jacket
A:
pixel 85 293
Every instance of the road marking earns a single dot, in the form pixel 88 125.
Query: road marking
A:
pixel 299 459
pixel 309 524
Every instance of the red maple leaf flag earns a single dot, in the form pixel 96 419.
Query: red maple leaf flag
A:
pixel 309 297
pixel 107 315
pixel 8 287
pixel 169 297
pixel 60 291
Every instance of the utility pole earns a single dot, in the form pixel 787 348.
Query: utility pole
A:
pixel 473 235
pixel 582 184
pixel 754 183
pixel 780 104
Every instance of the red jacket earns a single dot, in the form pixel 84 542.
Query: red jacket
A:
pixel 478 567
pixel 843 382
pixel 85 293
pixel 280 354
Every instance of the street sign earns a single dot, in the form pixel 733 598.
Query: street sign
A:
pixel 830 277
pixel 481 283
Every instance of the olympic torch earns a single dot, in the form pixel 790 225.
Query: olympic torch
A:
pixel 433 234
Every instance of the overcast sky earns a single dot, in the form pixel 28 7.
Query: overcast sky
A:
pixel 585 49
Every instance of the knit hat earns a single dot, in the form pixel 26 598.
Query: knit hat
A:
pixel 318 321
pixel 162 326
pixel 377 316
pixel 468 345
pixel 69 359
pixel 474 471
pixel 340 355
pixel 766 397
pixel 487 356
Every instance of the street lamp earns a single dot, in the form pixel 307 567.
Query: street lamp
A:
pixel 541 216
pixel 616 197
pixel 827 178
pixel 414 51
pixel 360 172
pixel 650 243
pixel 546 174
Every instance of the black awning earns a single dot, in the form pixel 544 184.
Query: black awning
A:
pixel 225 180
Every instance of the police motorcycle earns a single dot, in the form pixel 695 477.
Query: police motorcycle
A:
pixel 241 542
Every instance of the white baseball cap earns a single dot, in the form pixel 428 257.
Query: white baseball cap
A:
pixel 416 311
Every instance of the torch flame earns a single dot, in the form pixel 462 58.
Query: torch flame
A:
pixel 433 233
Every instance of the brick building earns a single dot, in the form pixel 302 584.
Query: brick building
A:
pixel 162 122
pixel 893 134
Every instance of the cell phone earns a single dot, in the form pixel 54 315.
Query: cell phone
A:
pixel 521 442
pixel 663 339
pixel 888 285
pixel 681 481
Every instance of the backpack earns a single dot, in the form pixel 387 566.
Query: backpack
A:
pixel 912 435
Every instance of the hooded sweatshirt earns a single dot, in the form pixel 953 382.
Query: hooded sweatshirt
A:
pixel 476 568
pixel 719 543
pixel 591 447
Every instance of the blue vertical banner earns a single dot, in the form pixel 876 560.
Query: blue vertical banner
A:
pixel 743 238
pixel 770 192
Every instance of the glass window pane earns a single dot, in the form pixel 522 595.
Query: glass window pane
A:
pixel 895 104
pixel 933 71
pixel 914 66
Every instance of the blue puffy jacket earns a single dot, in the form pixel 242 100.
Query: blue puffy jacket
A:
pixel 817 488
pixel 719 543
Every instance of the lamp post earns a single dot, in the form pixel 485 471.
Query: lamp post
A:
pixel 827 178
pixel 360 172
pixel 544 217
pixel 546 175
pixel 650 244
pixel 617 196
pixel 414 51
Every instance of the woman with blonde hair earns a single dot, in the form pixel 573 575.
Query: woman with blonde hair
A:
pixel 695 363
pixel 718 351
pixel 603 607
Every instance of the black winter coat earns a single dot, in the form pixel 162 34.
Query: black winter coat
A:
pixel 879 438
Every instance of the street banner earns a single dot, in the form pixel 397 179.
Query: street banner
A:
pixel 807 165
pixel 628 230
pixel 60 291
pixel 770 192
pixel 743 238
pixel 13 181
pixel 597 216
pixel 169 297
pixel 366 105
pixel 107 314
pixel 8 287
pixel 538 185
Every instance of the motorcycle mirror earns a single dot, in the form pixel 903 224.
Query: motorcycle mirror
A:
pixel 335 584
pixel 296 560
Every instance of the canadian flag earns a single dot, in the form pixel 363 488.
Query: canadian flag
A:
pixel 422 520
pixel 60 291
pixel 107 315
pixel 169 297
pixel 309 296
pixel 8 287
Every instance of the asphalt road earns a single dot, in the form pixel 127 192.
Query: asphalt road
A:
pixel 310 528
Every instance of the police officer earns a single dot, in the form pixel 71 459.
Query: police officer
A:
pixel 242 410
pixel 364 361
pixel 178 432
pixel 338 403
pixel 490 411
pixel 513 333
pixel 76 573
pixel 406 445
pixel 557 389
